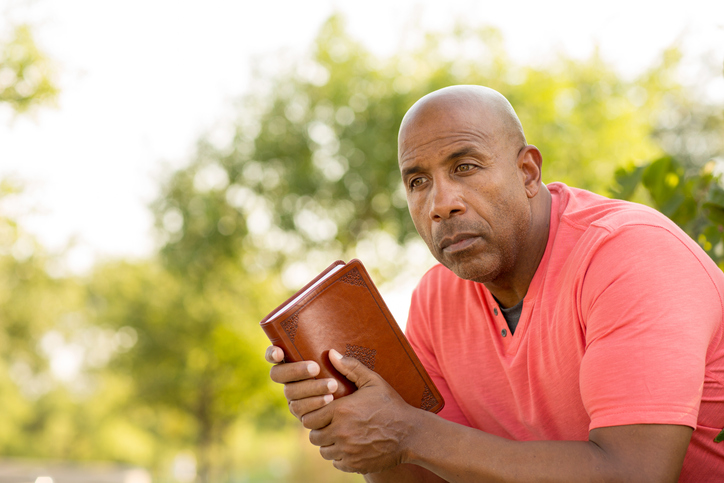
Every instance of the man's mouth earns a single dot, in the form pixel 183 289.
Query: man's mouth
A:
pixel 458 242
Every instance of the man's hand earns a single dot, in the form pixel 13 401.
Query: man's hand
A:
pixel 365 431
pixel 304 393
pixel 355 446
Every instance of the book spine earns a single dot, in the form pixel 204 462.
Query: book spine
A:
pixel 272 331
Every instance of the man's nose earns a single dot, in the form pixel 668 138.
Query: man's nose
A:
pixel 446 201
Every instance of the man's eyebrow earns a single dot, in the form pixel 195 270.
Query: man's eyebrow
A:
pixel 410 171
pixel 461 153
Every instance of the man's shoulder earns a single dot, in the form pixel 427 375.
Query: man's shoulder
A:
pixel 593 227
pixel 589 226
pixel 583 210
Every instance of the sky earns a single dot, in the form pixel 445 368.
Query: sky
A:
pixel 142 80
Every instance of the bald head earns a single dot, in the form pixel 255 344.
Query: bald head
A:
pixel 472 108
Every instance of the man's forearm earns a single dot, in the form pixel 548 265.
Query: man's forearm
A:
pixel 456 453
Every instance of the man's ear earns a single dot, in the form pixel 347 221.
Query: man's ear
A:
pixel 530 162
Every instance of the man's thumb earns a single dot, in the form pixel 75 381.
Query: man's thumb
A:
pixel 352 369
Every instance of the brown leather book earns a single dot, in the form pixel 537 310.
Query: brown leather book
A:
pixel 341 309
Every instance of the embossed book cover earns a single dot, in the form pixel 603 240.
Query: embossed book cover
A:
pixel 342 309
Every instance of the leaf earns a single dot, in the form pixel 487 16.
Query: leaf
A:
pixel 715 196
pixel 719 437
pixel 662 179
pixel 715 213
pixel 627 180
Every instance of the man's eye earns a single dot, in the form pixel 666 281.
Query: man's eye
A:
pixel 464 167
pixel 414 183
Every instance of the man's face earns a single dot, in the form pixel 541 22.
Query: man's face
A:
pixel 465 192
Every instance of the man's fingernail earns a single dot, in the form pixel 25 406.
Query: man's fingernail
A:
pixel 335 354
pixel 328 398
pixel 332 385
pixel 312 369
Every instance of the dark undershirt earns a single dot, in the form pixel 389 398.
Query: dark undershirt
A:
pixel 512 315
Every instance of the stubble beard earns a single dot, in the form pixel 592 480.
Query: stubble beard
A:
pixel 480 267
pixel 496 258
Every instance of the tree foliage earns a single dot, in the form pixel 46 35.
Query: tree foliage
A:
pixel 32 302
pixel 26 73
pixel 197 355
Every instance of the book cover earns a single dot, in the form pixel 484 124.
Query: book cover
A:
pixel 342 309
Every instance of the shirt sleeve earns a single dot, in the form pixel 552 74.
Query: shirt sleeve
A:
pixel 650 308
pixel 419 335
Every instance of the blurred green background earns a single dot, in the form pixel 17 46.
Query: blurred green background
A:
pixel 172 373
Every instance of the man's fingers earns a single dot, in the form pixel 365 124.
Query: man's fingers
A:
pixel 352 369
pixel 312 387
pixel 318 419
pixel 294 371
pixel 301 407
pixel 329 453
pixel 320 438
pixel 274 354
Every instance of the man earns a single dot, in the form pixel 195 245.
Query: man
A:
pixel 611 370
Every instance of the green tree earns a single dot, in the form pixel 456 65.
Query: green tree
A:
pixel 34 406
pixel 196 365
pixel 26 72
pixel 25 81
pixel 39 415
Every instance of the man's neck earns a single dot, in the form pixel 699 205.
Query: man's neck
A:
pixel 511 290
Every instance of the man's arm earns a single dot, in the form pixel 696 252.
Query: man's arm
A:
pixel 636 453
pixel 373 431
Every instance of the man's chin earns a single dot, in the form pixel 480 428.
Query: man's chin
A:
pixel 467 270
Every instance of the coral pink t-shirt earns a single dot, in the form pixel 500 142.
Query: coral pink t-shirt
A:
pixel 621 324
